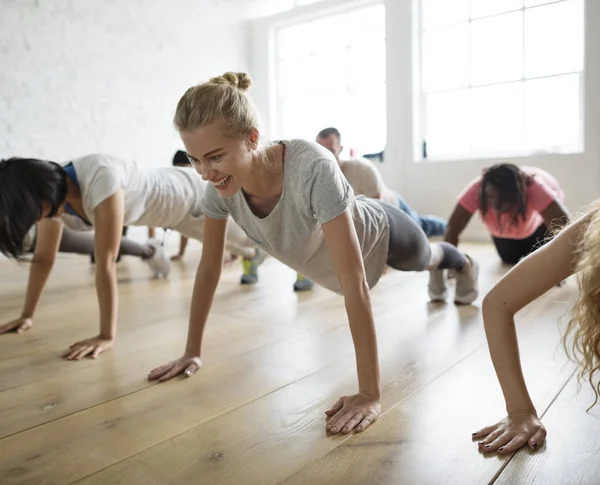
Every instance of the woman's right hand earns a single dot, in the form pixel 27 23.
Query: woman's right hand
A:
pixel 19 325
pixel 187 365
pixel 516 430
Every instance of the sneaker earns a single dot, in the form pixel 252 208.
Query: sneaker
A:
pixel 158 262
pixel 303 284
pixel 437 285
pixel 250 275
pixel 466 283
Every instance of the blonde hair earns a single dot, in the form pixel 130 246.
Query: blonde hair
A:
pixel 221 98
pixel 582 338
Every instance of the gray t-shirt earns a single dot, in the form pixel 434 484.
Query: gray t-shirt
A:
pixel 314 192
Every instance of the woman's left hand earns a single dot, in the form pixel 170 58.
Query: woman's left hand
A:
pixel 352 413
pixel 94 346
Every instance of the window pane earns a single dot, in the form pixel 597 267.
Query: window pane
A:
pixel 366 25
pixel 554 39
pixel 367 119
pixel 448 123
pixel 370 69
pixel 482 8
pixel 552 112
pixel 497 49
pixel 446 58
pixel 533 3
pixel 497 118
pixel 443 12
pixel 271 7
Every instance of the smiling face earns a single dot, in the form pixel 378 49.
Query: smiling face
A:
pixel 223 161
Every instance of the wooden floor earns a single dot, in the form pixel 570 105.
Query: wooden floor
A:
pixel 273 362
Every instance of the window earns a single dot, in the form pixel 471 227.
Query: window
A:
pixel 500 77
pixel 331 72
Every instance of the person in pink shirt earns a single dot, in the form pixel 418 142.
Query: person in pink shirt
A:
pixel 518 205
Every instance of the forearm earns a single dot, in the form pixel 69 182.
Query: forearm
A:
pixel 362 326
pixel 504 350
pixel 38 275
pixel 451 237
pixel 182 245
pixel 203 294
pixel 106 288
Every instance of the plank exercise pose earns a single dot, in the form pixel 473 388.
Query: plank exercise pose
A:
pixel 292 199
pixel 517 206
pixel 104 193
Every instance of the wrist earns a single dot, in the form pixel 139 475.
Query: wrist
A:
pixel 372 393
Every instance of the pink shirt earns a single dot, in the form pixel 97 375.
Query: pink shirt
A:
pixel 542 191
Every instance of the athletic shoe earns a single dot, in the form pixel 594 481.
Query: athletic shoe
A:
pixel 437 285
pixel 303 284
pixel 250 275
pixel 466 283
pixel 158 262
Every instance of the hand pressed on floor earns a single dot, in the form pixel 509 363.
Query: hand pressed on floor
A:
pixel 18 325
pixel 516 430
pixel 352 413
pixel 187 365
pixel 92 346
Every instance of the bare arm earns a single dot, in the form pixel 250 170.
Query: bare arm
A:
pixel 49 233
pixel 205 285
pixel 456 224
pixel 555 215
pixel 527 281
pixel 107 239
pixel 182 244
pixel 355 411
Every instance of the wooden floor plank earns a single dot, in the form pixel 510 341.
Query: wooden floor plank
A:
pixel 177 406
pixel 275 360
pixel 426 438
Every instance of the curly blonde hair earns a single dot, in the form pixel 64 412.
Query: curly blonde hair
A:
pixel 582 337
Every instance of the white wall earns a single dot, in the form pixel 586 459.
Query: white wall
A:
pixel 84 76
pixel 432 187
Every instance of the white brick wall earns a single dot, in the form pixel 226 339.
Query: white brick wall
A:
pixel 84 76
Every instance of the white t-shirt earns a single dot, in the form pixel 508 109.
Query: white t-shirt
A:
pixel 314 192
pixel 155 197
pixel 366 180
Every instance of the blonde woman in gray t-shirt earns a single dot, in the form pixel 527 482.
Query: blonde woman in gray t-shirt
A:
pixel 292 200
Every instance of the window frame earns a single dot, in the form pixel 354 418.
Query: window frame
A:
pixel 420 96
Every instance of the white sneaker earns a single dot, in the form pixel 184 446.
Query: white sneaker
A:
pixel 437 285
pixel 466 283
pixel 159 263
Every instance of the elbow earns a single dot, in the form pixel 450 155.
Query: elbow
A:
pixel 493 305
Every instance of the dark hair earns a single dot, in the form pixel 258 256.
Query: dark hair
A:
pixel 510 185
pixel 25 184
pixel 180 158
pixel 327 132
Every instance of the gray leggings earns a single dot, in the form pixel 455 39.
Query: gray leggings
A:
pixel 410 250
pixel 82 242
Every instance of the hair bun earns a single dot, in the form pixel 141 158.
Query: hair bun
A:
pixel 239 80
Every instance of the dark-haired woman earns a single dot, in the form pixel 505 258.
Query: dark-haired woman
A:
pixel 105 193
pixel 518 206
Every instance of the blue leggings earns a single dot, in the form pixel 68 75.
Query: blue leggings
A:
pixel 431 225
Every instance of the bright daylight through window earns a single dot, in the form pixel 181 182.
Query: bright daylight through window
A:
pixel 500 77
pixel 331 72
